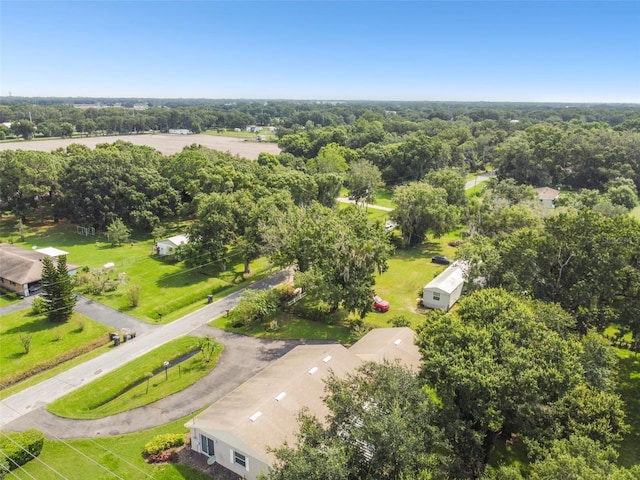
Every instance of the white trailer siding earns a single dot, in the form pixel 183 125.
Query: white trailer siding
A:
pixel 444 291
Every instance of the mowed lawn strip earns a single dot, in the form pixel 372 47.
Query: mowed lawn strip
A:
pixel 285 326
pixel 48 341
pixel 106 457
pixel 139 382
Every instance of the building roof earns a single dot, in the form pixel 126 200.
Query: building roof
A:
pixel 22 266
pixel 390 344
pixel 176 240
pixel 448 280
pixel 547 193
pixel 52 251
pixel 263 411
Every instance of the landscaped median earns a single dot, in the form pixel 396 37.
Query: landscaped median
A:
pixel 166 370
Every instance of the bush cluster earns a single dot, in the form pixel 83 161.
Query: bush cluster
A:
pixel 19 448
pixel 17 377
pixel 161 443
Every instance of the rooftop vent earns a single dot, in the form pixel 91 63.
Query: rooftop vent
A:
pixel 255 416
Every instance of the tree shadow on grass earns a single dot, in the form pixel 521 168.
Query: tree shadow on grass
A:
pixel 36 325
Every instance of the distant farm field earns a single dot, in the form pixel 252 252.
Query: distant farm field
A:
pixel 164 143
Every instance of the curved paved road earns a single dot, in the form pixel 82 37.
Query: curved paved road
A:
pixel 242 358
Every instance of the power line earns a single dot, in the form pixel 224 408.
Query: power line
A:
pixel 34 457
pixel 54 436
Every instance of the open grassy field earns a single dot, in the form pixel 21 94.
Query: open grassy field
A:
pixel 106 457
pixel 48 342
pixel 139 382
pixel 168 289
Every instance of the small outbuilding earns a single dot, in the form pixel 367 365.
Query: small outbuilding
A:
pixel 547 196
pixel 169 245
pixel 444 291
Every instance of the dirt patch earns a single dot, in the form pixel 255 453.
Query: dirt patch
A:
pixel 164 143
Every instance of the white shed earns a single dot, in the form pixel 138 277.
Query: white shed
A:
pixel 168 245
pixel 445 290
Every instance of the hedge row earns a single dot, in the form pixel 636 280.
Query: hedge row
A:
pixel 160 443
pixel 19 448
pixel 17 377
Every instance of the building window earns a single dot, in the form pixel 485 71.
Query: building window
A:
pixel 206 445
pixel 239 459
pixel 436 296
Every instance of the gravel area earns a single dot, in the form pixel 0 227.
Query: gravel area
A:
pixel 164 143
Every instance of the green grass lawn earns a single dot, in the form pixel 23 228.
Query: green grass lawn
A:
pixel 127 387
pixel 48 340
pixel 243 134
pixel 169 290
pixel 289 327
pixel 8 297
pixel 629 380
pixel 106 457
pixel 409 271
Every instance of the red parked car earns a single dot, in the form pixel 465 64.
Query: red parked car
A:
pixel 380 305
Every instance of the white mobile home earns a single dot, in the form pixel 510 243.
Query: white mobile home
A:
pixel 169 245
pixel 445 290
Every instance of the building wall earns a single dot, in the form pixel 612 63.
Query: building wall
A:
pixel 164 249
pixel 429 302
pixel 225 456
pixel 18 288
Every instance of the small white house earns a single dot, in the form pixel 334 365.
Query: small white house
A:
pixel 168 245
pixel 547 196
pixel 180 131
pixel 445 290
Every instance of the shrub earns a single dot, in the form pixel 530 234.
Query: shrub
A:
pixel 133 294
pixel 25 339
pixel 20 448
pixel 160 443
pixel 39 306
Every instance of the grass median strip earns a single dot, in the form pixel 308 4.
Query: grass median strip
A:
pixel 142 381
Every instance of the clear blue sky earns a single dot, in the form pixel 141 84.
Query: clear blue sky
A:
pixel 579 51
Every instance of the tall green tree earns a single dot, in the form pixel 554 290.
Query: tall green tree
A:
pixel 364 180
pixel 500 367
pixel 421 208
pixel 57 289
pixel 381 425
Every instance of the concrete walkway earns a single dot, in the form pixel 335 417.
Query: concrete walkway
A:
pixel 37 396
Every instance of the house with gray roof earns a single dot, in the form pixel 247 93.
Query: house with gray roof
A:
pixel 21 269
pixel 237 431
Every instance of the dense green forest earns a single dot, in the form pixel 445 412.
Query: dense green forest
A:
pixel 522 361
